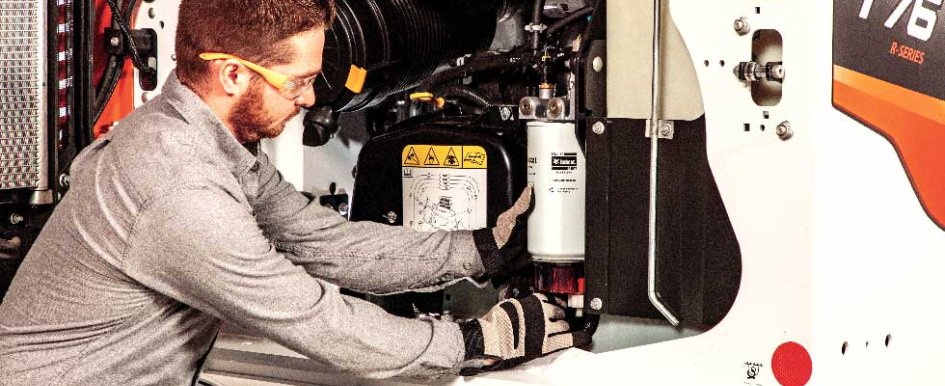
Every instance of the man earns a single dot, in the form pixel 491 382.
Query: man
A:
pixel 172 226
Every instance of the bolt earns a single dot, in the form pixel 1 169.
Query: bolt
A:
pixel 665 129
pixel 114 41
pixel 597 304
pixel 784 131
pixel 525 107
pixel 598 64
pixel 64 180
pixel 554 108
pixel 777 72
pixel 598 128
pixel 16 218
pixel 174 57
pixel 391 217
pixel 343 209
pixel 741 26
pixel 145 97
pixel 505 112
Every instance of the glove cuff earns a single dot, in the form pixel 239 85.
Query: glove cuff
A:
pixel 488 250
pixel 472 339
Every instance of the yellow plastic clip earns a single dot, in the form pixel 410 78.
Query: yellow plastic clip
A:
pixel 356 77
pixel 425 96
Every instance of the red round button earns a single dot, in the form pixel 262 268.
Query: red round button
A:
pixel 791 364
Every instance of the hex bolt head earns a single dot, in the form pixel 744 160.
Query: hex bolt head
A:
pixel 597 304
pixel 741 26
pixel 114 41
pixel 343 209
pixel 598 128
pixel 525 107
pixel 16 218
pixel 391 217
pixel 784 131
pixel 665 129
pixel 505 113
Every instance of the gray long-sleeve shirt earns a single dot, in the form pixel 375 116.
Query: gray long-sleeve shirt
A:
pixel 171 226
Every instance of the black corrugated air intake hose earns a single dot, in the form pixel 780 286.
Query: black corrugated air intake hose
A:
pixel 398 43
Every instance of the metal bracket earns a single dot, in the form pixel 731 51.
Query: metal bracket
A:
pixel 145 40
pixel 666 129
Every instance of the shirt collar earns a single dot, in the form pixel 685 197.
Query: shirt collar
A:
pixel 198 114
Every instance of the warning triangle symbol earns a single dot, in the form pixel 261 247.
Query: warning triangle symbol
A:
pixel 451 159
pixel 411 158
pixel 431 158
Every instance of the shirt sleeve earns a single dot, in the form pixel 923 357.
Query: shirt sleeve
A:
pixel 202 247
pixel 350 253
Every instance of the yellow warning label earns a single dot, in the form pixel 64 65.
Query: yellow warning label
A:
pixel 444 156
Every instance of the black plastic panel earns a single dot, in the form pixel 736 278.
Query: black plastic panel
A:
pixel 699 256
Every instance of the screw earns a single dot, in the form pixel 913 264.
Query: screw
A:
pixel 391 217
pixel 598 64
pixel 525 107
pixel 505 113
pixel 741 26
pixel 114 41
pixel 777 72
pixel 597 304
pixel 16 218
pixel 64 180
pixel 554 108
pixel 343 209
pixel 665 129
pixel 598 127
pixel 784 131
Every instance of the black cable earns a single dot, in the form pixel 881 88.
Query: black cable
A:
pixel 113 71
pixel 536 21
pixel 563 22
pixel 486 63
pixel 464 92
pixel 132 49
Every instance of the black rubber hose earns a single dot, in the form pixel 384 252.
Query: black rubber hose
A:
pixel 563 22
pixel 484 63
pixel 113 72
pixel 132 48
pixel 536 21
pixel 465 93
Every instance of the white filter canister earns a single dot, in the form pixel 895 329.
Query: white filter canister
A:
pixel 556 170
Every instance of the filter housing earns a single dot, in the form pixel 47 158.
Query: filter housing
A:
pixel 556 170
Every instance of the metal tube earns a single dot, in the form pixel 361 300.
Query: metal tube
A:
pixel 654 153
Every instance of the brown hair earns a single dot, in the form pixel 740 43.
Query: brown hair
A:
pixel 254 30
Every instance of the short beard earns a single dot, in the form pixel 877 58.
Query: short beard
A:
pixel 249 118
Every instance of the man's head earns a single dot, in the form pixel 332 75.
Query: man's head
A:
pixel 284 36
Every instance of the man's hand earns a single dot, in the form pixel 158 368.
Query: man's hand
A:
pixel 516 331
pixel 504 249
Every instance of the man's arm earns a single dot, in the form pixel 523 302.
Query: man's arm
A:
pixel 203 248
pixel 351 254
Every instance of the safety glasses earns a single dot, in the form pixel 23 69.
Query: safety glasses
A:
pixel 288 87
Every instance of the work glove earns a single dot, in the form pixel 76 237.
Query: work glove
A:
pixel 516 331
pixel 504 249
pixel 10 248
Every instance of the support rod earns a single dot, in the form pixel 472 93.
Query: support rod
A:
pixel 652 292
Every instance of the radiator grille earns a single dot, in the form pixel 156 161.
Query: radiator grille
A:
pixel 22 107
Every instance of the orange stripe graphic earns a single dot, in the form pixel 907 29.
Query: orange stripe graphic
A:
pixel 914 123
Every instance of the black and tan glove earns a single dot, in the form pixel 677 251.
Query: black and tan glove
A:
pixel 516 331
pixel 504 249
